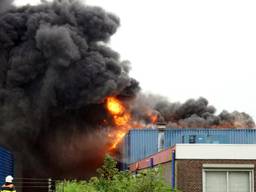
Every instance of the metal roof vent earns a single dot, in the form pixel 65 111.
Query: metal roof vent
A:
pixel 161 125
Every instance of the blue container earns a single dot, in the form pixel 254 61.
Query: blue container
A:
pixel 6 164
pixel 140 143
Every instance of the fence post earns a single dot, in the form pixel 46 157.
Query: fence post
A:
pixel 49 185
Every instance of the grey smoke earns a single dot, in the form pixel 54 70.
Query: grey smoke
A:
pixel 194 113
pixel 5 5
pixel 55 72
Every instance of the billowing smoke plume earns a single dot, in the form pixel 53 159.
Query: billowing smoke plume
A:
pixel 191 114
pixel 55 72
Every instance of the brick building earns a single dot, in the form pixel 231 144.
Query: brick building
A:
pixel 205 167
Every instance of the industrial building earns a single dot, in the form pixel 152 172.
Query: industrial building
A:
pixel 140 143
pixel 205 167
pixel 6 164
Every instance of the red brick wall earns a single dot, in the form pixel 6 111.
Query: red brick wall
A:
pixel 189 173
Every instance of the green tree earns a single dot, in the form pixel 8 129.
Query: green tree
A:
pixel 109 179
pixel 75 186
pixel 108 169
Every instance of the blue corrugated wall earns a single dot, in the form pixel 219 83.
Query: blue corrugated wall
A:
pixel 223 136
pixel 140 143
pixel 6 164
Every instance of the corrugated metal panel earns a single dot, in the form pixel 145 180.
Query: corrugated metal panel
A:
pixel 222 136
pixel 140 143
pixel 6 164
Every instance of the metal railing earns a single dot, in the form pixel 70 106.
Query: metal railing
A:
pixel 35 184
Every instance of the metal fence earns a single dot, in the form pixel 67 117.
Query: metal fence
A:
pixel 35 184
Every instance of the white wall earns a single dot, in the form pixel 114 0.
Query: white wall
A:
pixel 216 151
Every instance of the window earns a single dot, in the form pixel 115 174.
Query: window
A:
pixel 228 178
pixel 192 139
pixel 189 139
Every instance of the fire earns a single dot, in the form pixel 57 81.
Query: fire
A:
pixel 114 106
pixel 121 118
pixel 118 111
pixel 153 118
pixel 117 138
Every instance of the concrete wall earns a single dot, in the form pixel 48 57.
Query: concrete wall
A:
pixel 189 173
pixel 167 172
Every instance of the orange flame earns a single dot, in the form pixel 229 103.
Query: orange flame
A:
pixel 153 118
pixel 114 106
pixel 121 118
pixel 117 138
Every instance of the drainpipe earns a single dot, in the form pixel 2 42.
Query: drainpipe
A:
pixel 173 170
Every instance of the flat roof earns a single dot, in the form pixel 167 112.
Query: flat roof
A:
pixel 192 129
pixel 152 160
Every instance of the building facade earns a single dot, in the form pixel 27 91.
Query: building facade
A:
pixel 140 143
pixel 205 167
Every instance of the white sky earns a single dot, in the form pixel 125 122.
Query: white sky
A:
pixel 189 48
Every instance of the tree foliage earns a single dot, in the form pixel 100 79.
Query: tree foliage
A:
pixel 109 179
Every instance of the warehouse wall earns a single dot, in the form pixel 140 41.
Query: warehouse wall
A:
pixel 217 136
pixel 166 171
pixel 189 173
pixel 140 143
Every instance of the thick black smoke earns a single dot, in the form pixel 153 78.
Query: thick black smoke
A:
pixel 191 114
pixel 55 72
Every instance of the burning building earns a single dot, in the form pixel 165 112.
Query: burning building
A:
pixel 66 98
pixel 56 73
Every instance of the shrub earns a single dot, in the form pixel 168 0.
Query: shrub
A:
pixel 109 179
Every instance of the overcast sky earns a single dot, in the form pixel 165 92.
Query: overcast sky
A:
pixel 189 48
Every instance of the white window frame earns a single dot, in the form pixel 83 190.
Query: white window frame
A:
pixel 228 168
